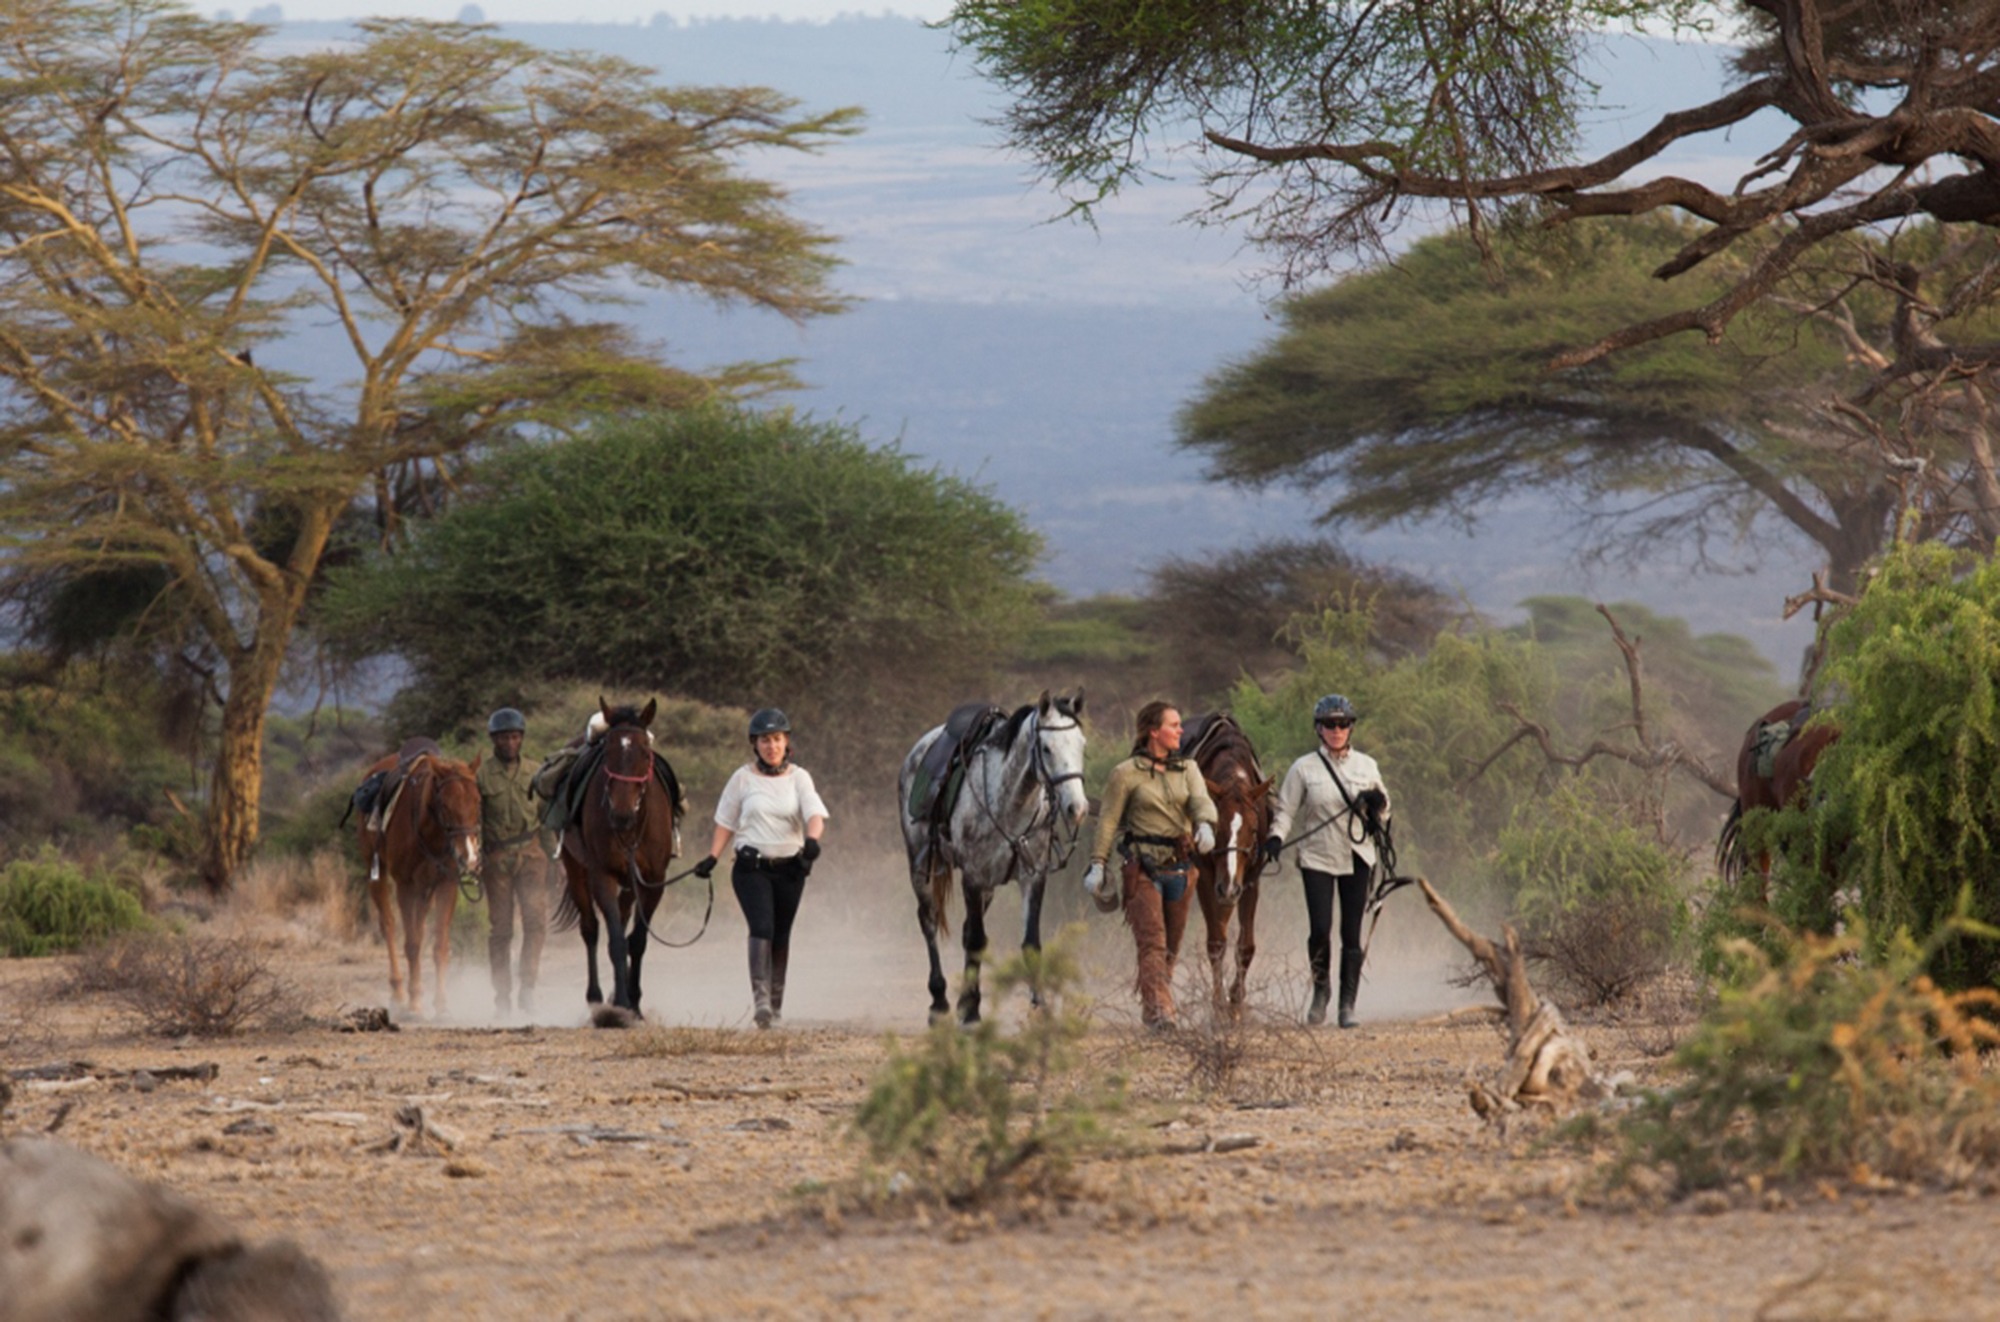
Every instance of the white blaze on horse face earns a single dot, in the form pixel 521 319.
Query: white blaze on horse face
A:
pixel 1062 753
pixel 1232 842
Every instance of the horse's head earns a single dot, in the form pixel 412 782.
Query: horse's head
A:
pixel 627 715
pixel 454 806
pixel 628 768
pixel 1243 812
pixel 1059 752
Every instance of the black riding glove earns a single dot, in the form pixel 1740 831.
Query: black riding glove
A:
pixel 810 853
pixel 1373 804
pixel 1272 844
pixel 706 868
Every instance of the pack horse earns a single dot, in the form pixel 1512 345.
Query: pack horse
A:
pixel 990 797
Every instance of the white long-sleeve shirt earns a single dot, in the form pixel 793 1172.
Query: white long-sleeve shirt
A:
pixel 1309 798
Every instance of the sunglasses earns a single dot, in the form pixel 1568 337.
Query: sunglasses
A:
pixel 1337 723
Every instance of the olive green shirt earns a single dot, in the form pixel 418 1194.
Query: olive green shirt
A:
pixel 507 814
pixel 1143 799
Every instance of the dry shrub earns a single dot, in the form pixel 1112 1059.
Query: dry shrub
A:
pixel 189 985
pixel 1817 1064
pixel 654 1041
pixel 319 892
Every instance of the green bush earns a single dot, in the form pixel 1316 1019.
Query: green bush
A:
pixel 1598 898
pixel 1814 1063
pixel 48 905
pixel 969 1114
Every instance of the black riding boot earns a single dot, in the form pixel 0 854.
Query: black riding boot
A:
pixel 760 979
pixel 1322 986
pixel 780 957
pixel 1350 983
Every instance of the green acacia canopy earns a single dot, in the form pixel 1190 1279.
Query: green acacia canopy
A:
pixel 741 557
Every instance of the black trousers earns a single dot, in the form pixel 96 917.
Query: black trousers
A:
pixel 1320 887
pixel 769 892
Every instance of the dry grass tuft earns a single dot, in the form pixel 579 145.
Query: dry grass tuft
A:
pixel 653 1041
pixel 188 985
pixel 317 895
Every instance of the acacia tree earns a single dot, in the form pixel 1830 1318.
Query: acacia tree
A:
pixel 1418 391
pixel 432 199
pixel 1322 127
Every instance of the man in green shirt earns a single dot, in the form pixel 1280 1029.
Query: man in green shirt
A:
pixel 514 869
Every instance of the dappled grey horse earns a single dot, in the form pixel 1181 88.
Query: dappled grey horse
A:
pixel 1016 814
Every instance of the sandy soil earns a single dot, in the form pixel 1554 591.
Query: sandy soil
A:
pixel 656 1174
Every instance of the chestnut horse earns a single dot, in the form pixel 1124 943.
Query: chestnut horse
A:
pixel 1791 768
pixel 428 840
pixel 615 855
pixel 1226 878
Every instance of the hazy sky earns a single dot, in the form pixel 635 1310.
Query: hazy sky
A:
pixel 604 11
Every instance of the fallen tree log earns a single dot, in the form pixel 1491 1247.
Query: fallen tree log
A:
pixel 1547 1066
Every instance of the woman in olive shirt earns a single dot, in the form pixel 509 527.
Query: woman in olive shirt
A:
pixel 1156 811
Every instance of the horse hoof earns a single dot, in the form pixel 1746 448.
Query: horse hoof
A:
pixel 612 1016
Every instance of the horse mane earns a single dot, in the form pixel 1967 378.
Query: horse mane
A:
pixel 1224 736
pixel 1010 730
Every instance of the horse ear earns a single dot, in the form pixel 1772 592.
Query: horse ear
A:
pixel 1263 788
pixel 646 716
pixel 1042 703
pixel 1214 787
pixel 604 707
pixel 1076 703
pixel 477 758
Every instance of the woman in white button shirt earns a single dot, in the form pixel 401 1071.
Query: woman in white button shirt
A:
pixel 772 813
pixel 1335 797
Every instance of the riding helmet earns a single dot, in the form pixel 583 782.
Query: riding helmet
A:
pixel 769 721
pixel 1334 706
pixel 506 719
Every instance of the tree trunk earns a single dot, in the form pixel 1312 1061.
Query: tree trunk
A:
pixel 236 784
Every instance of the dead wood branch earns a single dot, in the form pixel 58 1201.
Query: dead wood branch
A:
pixel 1547 1065
pixel 1661 757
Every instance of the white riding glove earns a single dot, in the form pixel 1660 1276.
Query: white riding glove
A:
pixel 1097 886
pixel 1204 838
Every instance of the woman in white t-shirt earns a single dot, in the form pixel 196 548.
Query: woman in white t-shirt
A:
pixel 772 813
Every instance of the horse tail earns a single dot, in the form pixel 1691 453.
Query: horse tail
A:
pixel 565 918
pixel 1729 860
pixel 940 893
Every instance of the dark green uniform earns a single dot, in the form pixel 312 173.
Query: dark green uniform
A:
pixel 516 872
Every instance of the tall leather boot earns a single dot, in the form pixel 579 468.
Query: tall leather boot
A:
pixel 1322 985
pixel 760 979
pixel 1350 983
pixel 781 956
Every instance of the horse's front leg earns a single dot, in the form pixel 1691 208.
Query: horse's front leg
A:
pixel 635 944
pixel 586 928
pixel 1215 925
pixel 413 905
pixel 976 901
pixel 617 950
pixel 1246 945
pixel 443 906
pixel 381 891
pixel 1031 927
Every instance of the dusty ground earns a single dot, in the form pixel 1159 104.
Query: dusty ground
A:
pixel 656 1173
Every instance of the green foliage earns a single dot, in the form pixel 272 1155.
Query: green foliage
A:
pixel 1905 803
pixel 969 1114
pixel 1598 898
pixel 1817 1063
pixel 48 904
pixel 80 754
pixel 738 557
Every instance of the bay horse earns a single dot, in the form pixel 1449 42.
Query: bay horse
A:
pixel 615 855
pixel 1017 816
pixel 1791 768
pixel 427 841
pixel 1226 878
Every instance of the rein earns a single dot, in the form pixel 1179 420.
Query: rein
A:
pixel 637 880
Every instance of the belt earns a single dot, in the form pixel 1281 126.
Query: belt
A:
pixel 754 857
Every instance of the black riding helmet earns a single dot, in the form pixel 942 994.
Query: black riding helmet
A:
pixel 505 720
pixel 769 721
pixel 1334 707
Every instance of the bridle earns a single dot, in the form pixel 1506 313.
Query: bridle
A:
pixel 630 834
pixel 1048 817
pixel 446 860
